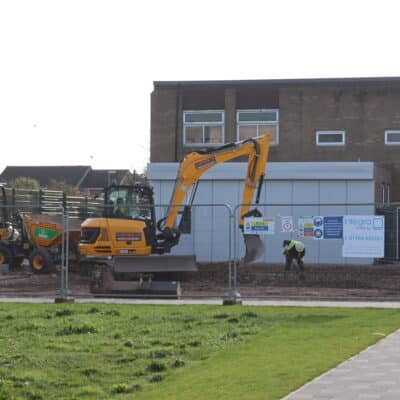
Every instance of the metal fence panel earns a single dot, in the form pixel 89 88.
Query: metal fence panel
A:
pixel 217 241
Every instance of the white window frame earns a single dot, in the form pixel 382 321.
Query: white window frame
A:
pixel 203 124
pixel 387 132
pixel 323 132
pixel 276 123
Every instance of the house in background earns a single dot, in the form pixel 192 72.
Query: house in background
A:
pixel 97 179
pixel 89 181
pixel 73 175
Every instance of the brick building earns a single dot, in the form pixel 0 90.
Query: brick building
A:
pixel 311 120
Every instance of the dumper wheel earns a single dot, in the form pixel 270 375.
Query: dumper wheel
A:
pixel 5 255
pixel 40 261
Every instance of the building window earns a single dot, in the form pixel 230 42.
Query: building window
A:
pixel 330 138
pixel 203 128
pixel 392 138
pixel 252 123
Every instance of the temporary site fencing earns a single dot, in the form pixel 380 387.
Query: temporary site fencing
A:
pixel 51 201
pixel 337 255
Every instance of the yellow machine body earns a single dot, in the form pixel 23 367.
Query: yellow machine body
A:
pixel 116 237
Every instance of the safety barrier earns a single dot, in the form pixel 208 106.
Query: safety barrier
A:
pixel 333 268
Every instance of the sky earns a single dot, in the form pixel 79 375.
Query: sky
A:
pixel 76 76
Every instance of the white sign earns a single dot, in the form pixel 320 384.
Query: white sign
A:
pixel 259 225
pixel 363 236
pixel 287 224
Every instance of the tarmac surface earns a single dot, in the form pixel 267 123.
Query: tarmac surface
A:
pixel 372 374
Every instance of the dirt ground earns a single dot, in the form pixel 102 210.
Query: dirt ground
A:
pixel 325 282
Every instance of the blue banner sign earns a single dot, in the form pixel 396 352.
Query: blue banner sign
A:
pixel 333 227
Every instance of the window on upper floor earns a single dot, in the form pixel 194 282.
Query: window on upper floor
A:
pixel 392 138
pixel 251 123
pixel 330 138
pixel 203 128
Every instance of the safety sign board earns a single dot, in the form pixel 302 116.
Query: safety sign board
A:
pixel 364 236
pixel 318 227
pixel 306 227
pixel 287 224
pixel 259 225
pixel 333 227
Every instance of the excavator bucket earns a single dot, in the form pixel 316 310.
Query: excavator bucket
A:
pixel 255 248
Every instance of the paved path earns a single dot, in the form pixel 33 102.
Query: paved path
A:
pixel 372 374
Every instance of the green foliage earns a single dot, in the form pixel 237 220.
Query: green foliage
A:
pixel 119 388
pixel 178 364
pixel 156 378
pixel 24 182
pixel 63 312
pixel 63 186
pixel 78 330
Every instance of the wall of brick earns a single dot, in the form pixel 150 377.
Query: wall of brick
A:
pixel 164 129
pixel 364 111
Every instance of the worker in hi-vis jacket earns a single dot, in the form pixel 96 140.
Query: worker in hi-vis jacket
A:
pixel 294 250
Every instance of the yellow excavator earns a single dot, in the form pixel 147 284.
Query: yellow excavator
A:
pixel 129 240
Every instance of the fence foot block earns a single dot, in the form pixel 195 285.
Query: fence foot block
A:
pixel 64 299
pixel 232 299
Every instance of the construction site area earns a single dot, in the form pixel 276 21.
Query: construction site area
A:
pixel 130 243
pixel 330 282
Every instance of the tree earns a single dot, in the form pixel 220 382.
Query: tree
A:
pixel 24 182
pixel 63 186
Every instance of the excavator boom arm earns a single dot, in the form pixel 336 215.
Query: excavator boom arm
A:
pixel 196 164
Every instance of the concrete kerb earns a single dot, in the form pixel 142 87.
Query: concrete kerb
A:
pixel 258 303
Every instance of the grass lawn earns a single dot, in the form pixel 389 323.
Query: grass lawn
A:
pixel 87 351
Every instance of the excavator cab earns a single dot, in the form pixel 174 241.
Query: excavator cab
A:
pixel 129 202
